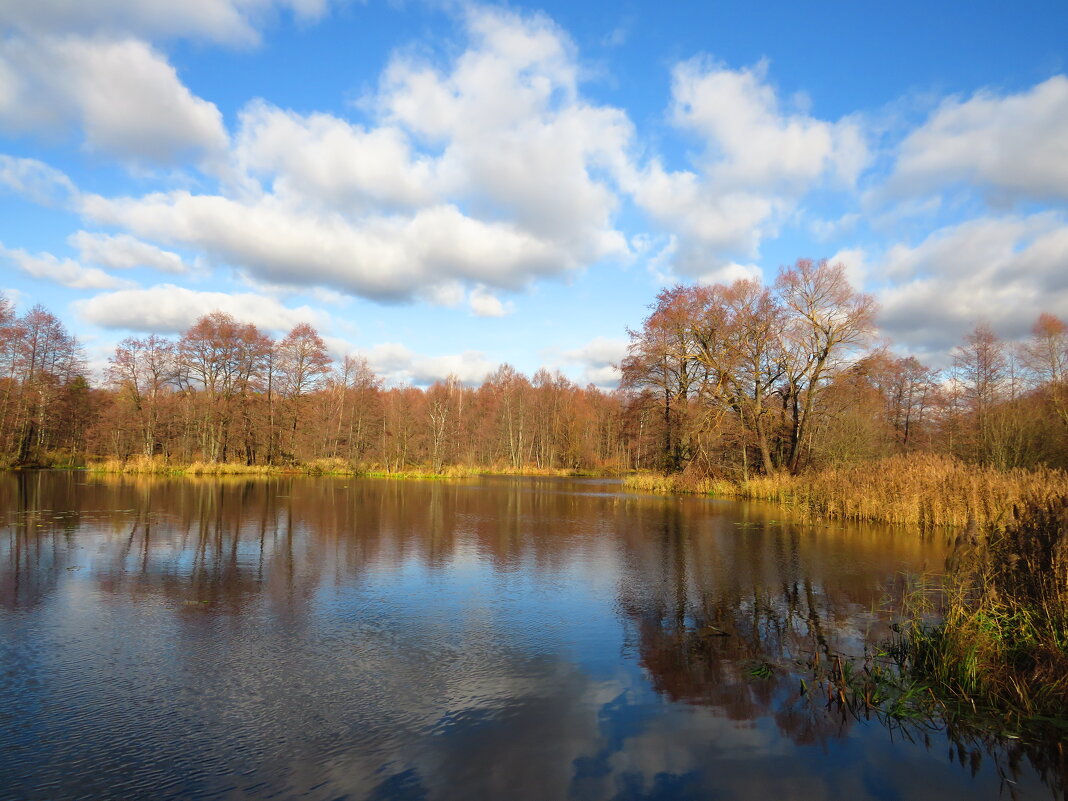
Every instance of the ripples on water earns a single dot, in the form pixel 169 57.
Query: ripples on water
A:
pixel 512 639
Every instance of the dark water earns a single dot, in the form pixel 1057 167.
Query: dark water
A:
pixel 511 639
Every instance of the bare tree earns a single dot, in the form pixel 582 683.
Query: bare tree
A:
pixel 142 371
pixel 828 322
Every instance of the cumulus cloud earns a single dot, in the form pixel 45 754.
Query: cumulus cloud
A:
pixel 752 141
pixel 323 160
pixel 484 303
pixel 123 252
pixel 169 308
pixel 1003 271
pixel 228 21
pixel 729 273
pixel 66 272
pixel 855 261
pixel 599 359
pixel 515 188
pixel 398 364
pixel 516 135
pixel 16 297
pixel 92 66
pixel 1011 146
pixel 124 96
pixel 757 159
pixel 36 181
pixel 380 257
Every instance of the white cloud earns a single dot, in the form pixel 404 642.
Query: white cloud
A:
pixel 169 308
pixel 36 181
pixel 324 160
pixel 122 94
pixel 398 364
pixel 599 359
pixel 66 272
pixel 381 257
pixel 1003 271
pixel 449 294
pixel 729 273
pixel 229 21
pixel 515 188
pixel 123 252
pixel 516 137
pixel 606 376
pixel 1013 146
pixel 16 297
pixel 598 351
pixel 855 261
pixel 710 225
pixel 757 160
pixel 751 141
pixel 484 303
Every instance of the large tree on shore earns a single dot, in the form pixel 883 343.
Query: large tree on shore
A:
pixel 707 352
pixel 142 372
pixel 301 366
pixel 828 323
pixel 662 360
pixel 226 361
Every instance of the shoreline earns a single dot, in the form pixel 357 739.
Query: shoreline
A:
pixel 922 490
pixel 321 467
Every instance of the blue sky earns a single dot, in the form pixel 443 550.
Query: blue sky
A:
pixel 442 187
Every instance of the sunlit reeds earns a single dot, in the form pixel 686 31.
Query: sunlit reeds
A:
pixel 920 490
pixel 145 465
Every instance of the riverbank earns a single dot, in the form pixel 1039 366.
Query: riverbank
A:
pixel 918 490
pixel 317 467
pixel 985 648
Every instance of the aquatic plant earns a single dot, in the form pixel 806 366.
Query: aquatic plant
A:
pixel 1002 641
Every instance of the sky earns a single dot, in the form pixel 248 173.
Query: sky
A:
pixel 442 187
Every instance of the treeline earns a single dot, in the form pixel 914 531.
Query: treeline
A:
pixel 225 392
pixel 746 379
pixel 728 381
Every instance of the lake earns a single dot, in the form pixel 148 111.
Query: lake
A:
pixel 327 638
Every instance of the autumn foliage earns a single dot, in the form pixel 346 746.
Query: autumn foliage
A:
pixel 731 383
pixel 740 381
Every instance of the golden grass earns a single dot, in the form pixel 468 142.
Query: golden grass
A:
pixel 143 465
pixel 680 483
pixel 920 490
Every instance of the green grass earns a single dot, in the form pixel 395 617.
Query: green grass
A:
pixel 1002 641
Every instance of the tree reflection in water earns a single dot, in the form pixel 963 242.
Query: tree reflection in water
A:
pixel 731 640
pixel 310 588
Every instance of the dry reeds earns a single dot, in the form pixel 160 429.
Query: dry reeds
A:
pixel 1002 643
pixel 145 465
pixel 919 490
pixel 334 466
pixel 681 483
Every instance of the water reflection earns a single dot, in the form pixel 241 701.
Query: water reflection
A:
pixel 480 639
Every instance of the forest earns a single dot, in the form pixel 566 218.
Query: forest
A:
pixel 731 381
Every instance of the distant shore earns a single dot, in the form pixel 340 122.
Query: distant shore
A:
pixel 318 467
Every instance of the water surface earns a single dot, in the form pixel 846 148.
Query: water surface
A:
pixel 496 638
